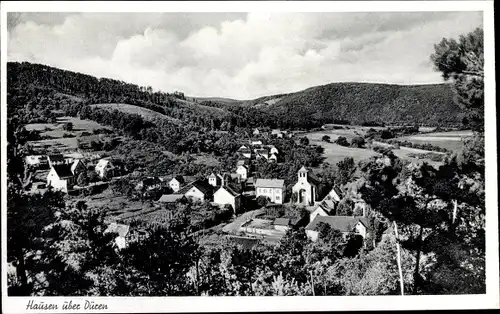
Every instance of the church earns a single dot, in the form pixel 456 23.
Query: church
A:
pixel 306 188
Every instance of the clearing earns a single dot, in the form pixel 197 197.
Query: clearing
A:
pixel 452 140
pixel 147 114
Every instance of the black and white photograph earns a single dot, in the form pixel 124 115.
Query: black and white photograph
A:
pixel 263 152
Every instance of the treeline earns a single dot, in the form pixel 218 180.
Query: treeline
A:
pixel 428 105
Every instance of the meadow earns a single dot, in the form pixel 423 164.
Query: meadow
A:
pixel 452 140
pixel 147 114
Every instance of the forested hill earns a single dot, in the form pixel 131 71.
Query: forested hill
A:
pixel 356 103
pixel 360 102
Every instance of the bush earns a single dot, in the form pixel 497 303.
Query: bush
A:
pixel 326 138
pixel 358 142
pixel 342 141
pixel 68 126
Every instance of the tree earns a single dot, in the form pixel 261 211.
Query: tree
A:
pixel 326 138
pixel 68 126
pixel 345 207
pixel 93 176
pixel 345 171
pixel 83 179
pixel 304 141
pixel 262 201
pixel 358 142
pixel 342 141
pixel 462 62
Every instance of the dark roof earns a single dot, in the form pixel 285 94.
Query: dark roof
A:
pixel 180 179
pixel 341 223
pixel 281 221
pixel 57 157
pixel 201 185
pixel 338 191
pixel 63 171
pixel 151 181
pixel 170 198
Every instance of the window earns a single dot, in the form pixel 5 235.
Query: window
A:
pixel 278 197
pixel 265 190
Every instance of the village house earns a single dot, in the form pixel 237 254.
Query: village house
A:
pixel 122 231
pixel 105 168
pixel 345 224
pixel 256 132
pixel 282 224
pixel 235 177
pixel 57 159
pixel 149 183
pixel 255 143
pixel 243 162
pixel 274 189
pixel 226 195
pixel 78 167
pixel 214 180
pixel 71 157
pixel 35 161
pixel 273 149
pixel 261 153
pixel 243 171
pixel 306 188
pixel 176 183
pixel 61 178
pixel 243 147
pixel 328 206
pixel 166 199
pixel 273 158
pixel 277 133
pixel 198 190
pixel 247 153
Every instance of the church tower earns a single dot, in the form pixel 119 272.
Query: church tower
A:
pixel 302 174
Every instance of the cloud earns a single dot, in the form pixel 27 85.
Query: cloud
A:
pixel 238 55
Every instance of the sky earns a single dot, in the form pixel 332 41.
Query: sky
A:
pixel 238 55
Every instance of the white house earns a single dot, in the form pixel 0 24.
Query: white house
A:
pixel 335 193
pixel 176 183
pixel 345 224
pixel 273 150
pixel 254 143
pixel 243 147
pixel 273 158
pixel 243 171
pixel 277 133
pixel 282 224
pixel 274 189
pixel 61 178
pixel 122 231
pixel 198 191
pixel 247 153
pixel 104 168
pixel 34 160
pixel 225 195
pixel 306 187
pixel 78 167
pixel 214 180
pixel 256 132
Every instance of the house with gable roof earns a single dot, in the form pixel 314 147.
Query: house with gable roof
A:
pixel 176 183
pixel 274 189
pixel 61 178
pixel 226 195
pixel 328 206
pixel 345 224
pixel 105 168
pixel 122 231
pixel 199 190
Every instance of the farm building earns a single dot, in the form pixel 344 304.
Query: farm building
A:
pixel 122 231
pixel 345 224
pixel 105 168
pixel 61 178
pixel 170 198
pixel 226 195
pixel 274 189
pixel 306 187
pixel 282 224
pixel 176 183
pixel 199 190
pixel 243 172
pixel 214 180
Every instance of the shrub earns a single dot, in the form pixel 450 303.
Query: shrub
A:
pixel 326 138
pixel 342 141
pixel 358 142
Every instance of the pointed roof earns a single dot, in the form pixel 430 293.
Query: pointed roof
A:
pixel 303 169
pixel 121 229
pixel 229 190
pixel 75 164
pixel 341 223
pixel 203 186
pixel 63 171
pixel 179 179
pixel 170 198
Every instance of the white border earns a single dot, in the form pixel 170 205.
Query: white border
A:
pixel 251 304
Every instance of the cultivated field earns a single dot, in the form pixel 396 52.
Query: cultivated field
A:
pixel 450 140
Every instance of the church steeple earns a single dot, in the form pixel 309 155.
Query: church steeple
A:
pixel 302 174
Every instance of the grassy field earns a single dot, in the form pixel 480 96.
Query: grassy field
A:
pixel 147 114
pixel 56 132
pixel 452 140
